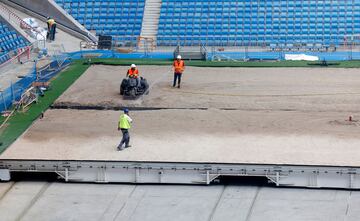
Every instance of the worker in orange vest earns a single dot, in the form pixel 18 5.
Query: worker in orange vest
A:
pixel 132 72
pixel 179 67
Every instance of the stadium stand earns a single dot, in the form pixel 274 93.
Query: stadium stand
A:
pixel 283 23
pixel 277 24
pixel 9 40
pixel 119 18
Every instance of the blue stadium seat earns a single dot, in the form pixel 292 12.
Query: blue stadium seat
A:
pixel 254 22
pixel 119 18
pixel 9 40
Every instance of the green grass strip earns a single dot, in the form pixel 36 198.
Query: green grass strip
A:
pixel 19 122
pixel 255 64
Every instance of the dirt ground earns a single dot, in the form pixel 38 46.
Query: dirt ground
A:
pixel 222 136
pixel 251 115
pixel 302 89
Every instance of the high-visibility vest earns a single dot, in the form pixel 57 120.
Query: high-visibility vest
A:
pixel 124 122
pixel 179 66
pixel 133 73
pixel 51 22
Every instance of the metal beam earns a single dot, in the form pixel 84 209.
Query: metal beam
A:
pixel 187 173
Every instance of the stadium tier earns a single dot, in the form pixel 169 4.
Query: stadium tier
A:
pixel 245 22
pixel 9 39
pixel 310 23
pixel 119 18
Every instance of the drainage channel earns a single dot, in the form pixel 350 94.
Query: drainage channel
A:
pixel 118 108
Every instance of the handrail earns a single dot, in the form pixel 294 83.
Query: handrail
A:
pixel 22 23
pixel 205 40
pixel 19 52
pixel 146 41
pixel 87 35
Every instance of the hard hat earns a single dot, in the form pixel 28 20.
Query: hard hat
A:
pixel 133 66
pixel 178 57
pixel 126 110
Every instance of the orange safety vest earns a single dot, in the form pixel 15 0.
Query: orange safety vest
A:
pixel 133 73
pixel 179 66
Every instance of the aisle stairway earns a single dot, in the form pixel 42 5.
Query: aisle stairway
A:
pixel 150 23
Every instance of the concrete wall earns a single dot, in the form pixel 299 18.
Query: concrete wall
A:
pixel 43 8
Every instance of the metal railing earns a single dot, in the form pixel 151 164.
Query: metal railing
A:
pixel 16 56
pixel 226 43
pixel 15 20
pixel 127 43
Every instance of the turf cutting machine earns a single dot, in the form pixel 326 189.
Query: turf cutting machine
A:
pixel 132 88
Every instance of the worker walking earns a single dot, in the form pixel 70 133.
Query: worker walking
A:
pixel 179 67
pixel 124 125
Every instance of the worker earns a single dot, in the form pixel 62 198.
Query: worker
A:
pixel 133 72
pixel 179 67
pixel 48 21
pixel 53 29
pixel 124 125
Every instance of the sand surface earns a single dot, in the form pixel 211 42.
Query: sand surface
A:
pixel 221 136
pixel 223 115
pixel 303 89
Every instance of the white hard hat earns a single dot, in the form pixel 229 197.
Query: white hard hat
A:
pixel 133 66
pixel 178 57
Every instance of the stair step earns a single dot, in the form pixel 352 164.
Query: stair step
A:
pixel 150 23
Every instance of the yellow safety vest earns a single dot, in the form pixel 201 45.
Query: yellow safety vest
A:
pixel 123 122
pixel 51 22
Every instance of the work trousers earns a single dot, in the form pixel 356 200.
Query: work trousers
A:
pixel 125 138
pixel 177 76
pixel 53 32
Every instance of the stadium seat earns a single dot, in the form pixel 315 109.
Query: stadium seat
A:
pixel 119 18
pixel 290 21
pixel 9 40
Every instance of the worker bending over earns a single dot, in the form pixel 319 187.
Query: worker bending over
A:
pixel 51 29
pixel 124 125
pixel 179 67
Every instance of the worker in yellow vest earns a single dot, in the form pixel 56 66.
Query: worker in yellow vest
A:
pixel 51 29
pixel 124 125
pixel 48 22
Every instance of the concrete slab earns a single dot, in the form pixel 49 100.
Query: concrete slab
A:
pixel 353 211
pixel 300 204
pixel 11 72
pixel 236 203
pixel 71 201
pixel 62 201
pixel 15 204
pixel 4 188
pixel 161 203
